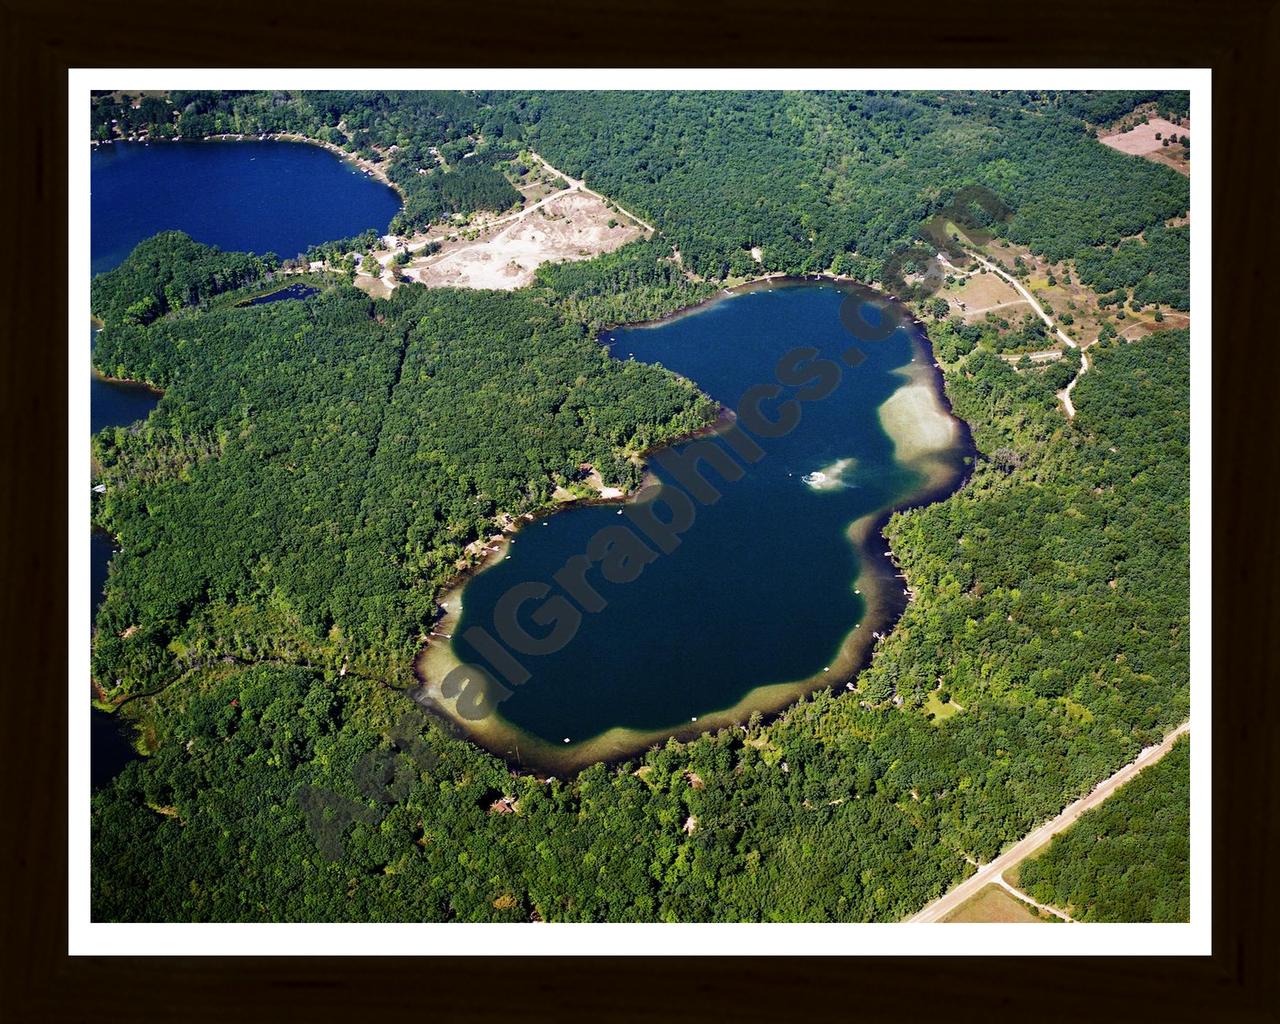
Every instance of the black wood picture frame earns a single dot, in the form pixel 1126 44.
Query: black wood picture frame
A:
pixel 1239 40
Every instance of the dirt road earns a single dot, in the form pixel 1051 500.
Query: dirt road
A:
pixel 576 183
pixel 492 230
pixel 1018 894
pixel 1065 394
pixel 989 873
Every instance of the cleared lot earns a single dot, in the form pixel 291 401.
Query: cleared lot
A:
pixel 570 226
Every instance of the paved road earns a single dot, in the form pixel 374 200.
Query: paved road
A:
pixel 989 873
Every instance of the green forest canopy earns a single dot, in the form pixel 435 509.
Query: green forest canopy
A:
pixel 1128 860
pixel 315 467
pixel 878 806
pixel 359 447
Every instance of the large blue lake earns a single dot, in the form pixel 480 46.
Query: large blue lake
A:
pixel 279 197
pixel 768 593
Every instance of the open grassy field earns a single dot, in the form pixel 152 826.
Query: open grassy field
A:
pixel 993 905
pixel 941 712
pixel 1057 298
pixel 972 297
pixel 1147 140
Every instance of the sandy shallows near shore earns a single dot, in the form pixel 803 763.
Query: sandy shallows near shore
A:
pixel 915 418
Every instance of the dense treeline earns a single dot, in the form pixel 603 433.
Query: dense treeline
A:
pixel 1128 860
pixel 1051 603
pixel 499 399
pixel 438 194
pixel 1100 545
pixel 1107 105
pixel 638 282
pixel 1157 267
pixel 170 271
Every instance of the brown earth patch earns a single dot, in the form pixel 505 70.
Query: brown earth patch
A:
pixel 1141 141
pixel 569 226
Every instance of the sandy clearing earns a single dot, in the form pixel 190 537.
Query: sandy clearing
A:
pixel 969 314
pixel 581 186
pixel 1046 356
pixel 1147 325
pixel 570 225
pixel 1142 140
pixel 980 293
pixel 991 873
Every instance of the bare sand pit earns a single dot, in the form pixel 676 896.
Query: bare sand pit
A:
pixel 569 226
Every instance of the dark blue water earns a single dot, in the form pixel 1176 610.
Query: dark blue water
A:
pixel 293 293
pixel 110 405
pixel 260 197
pixel 761 588
pixel 279 197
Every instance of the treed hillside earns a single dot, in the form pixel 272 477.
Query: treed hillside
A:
pixel 316 468
pixel 838 180
pixel 1155 267
pixel 1128 860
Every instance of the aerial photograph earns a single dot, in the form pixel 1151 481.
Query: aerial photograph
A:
pixel 617 506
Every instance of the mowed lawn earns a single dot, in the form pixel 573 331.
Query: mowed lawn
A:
pixel 941 712
pixel 992 905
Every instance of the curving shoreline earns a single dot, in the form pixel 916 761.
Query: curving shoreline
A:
pixel 369 167
pixel 127 382
pixel 944 465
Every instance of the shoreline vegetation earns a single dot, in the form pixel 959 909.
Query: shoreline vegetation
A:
pixel 924 429
pixel 128 382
